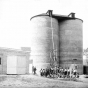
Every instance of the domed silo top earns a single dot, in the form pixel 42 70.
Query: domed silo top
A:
pixel 58 17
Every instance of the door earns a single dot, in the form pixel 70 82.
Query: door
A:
pixel 21 65
pixel 11 64
pixel 16 64
pixel 30 68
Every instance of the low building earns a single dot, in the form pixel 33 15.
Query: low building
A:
pixel 14 61
pixel 85 64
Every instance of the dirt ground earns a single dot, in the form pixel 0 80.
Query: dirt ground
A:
pixel 32 81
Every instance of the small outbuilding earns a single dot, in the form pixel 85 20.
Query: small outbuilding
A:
pixel 14 61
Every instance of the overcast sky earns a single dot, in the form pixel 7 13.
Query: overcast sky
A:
pixel 15 18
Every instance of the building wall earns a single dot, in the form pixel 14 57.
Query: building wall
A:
pixel 85 64
pixel 3 65
pixel 1 60
pixel 19 57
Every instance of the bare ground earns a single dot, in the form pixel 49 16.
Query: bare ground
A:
pixel 31 81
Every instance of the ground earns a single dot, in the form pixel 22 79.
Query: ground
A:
pixel 33 81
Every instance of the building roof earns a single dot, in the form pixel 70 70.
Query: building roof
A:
pixel 14 50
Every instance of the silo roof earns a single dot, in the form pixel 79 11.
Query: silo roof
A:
pixel 59 17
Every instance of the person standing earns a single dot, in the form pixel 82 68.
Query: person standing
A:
pixel 68 73
pixel 35 70
pixel 41 72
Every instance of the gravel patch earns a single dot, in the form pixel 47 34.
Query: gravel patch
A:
pixel 31 81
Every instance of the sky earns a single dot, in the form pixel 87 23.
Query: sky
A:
pixel 15 18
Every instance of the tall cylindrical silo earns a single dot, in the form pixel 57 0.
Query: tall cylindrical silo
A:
pixel 71 43
pixel 45 41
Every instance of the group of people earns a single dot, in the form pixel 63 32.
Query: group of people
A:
pixel 58 72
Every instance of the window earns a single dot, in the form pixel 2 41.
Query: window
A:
pixel 0 60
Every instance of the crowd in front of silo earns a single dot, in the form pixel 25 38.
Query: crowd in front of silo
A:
pixel 58 72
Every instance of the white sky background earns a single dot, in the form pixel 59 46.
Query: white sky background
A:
pixel 15 18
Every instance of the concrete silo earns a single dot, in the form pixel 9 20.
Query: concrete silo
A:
pixel 56 41
pixel 45 41
pixel 71 43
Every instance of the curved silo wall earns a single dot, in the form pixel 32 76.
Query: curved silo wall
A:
pixel 44 38
pixel 71 44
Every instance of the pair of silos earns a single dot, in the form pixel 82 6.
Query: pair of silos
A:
pixel 56 41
